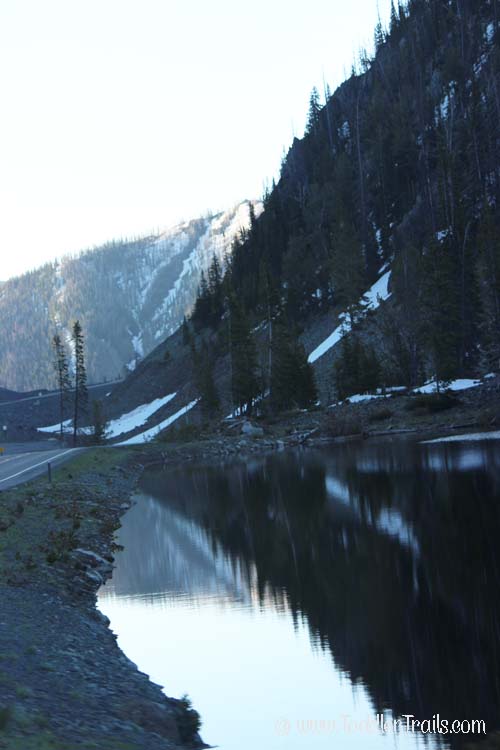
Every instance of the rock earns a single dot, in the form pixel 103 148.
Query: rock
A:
pixel 99 617
pixel 93 560
pixel 94 576
pixel 251 430
pixel 153 717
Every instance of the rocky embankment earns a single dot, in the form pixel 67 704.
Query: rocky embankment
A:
pixel 65 683
pixel 473 410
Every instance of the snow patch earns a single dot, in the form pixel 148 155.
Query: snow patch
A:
pixel 359 398
pixel 138 346
pixel 377 293
pixel 145 437
pixel 137 417
pixel 461 384
pixel 345 130
pixel 473 436
pixel 57 427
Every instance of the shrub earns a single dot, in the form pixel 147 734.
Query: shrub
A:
pixel 188 721
pixel 432 403
pixel 380 415
pixel 342 424
pixel 182 434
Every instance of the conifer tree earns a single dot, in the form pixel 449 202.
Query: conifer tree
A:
pixel 314 110
pixel 379 37
pixel 245 382
pixel 394 23
pixel 63 379
pixel 203 367
pixel 292 377
pixel 99 422
pixel 215 291
pixel 81 395
pixel 357 369
pixel 282 381
pixel 441 318
pixel 186 333
pixel 347 266
pixel 202 308
pixel 307 394
pixel 488 274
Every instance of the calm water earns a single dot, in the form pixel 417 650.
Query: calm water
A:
pixel 296 596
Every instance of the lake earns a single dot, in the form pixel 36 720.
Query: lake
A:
pixel 302 599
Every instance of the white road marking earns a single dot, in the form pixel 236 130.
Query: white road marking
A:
pixel 35 466
pixel 18 456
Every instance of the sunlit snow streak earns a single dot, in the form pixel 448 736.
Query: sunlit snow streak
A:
pixel 372 299
pixel 148 435
pixel 137 417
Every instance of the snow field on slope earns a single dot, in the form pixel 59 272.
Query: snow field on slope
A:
pixel 137 417
pixel 126 423
pixel 148 435
pixel 377 293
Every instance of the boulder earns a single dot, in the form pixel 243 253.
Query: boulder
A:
pixel 250 430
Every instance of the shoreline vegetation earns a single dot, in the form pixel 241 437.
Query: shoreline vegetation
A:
pixel 65 682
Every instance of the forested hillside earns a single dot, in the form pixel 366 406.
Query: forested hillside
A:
pixel 128 296
pixel 399 172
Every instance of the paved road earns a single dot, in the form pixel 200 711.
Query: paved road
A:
pixel 54 394
pixel 22 462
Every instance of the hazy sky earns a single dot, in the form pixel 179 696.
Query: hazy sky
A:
pixel 122 116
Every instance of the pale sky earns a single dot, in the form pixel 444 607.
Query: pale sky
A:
pixel 123 116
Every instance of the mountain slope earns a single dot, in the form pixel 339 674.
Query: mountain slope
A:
pixel 400 170
pixel 396 178
pixel 127 295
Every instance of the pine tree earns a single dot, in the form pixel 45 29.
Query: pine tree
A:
pixel 202 307
pixel 245 381
pixel 215 292
pixel 347 265
pixel 63 379
pixel 441 311
pixel 99 423
pixel 314 110
pixel 81 395
pixel 488 275
pixel 292 377
pixel 379 37
pixel 282 381
pixel 186 333
pixel 203 369
pixel 357 369
pixel 394 23
pixel 306 394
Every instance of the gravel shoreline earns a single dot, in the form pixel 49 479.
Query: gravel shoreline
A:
pixel 65 682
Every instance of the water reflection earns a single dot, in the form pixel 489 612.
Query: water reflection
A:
pixel 384 556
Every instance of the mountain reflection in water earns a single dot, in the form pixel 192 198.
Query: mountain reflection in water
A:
pixel 367 575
